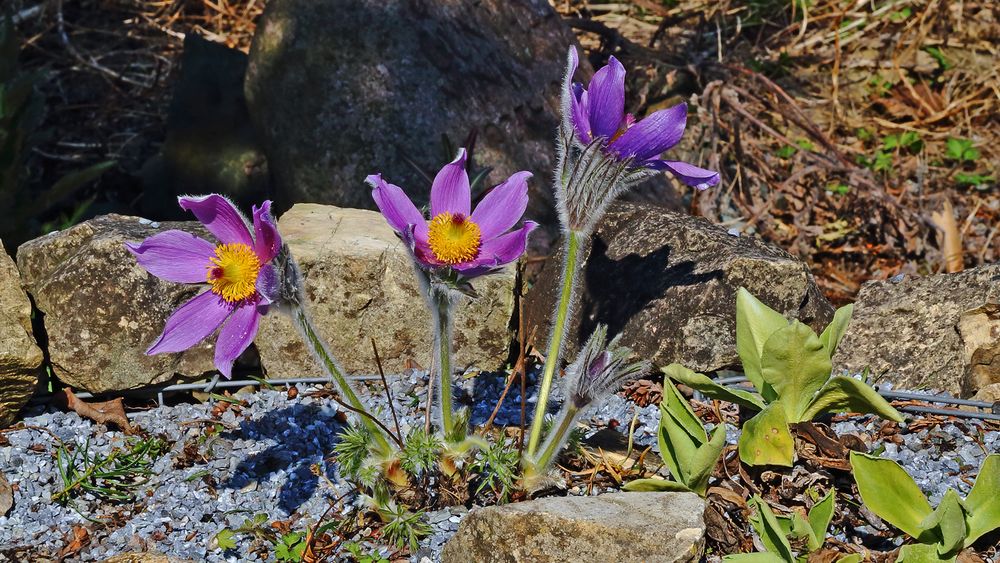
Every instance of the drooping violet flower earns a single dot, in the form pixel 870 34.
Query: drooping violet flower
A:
pixel 470 242
pixel 598 113
pixel 599 369
pixel 242 281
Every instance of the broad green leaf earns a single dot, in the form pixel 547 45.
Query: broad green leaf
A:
pixel 834 332
pixel 702 464
pixel 763 557
pixel 765 439
pixel 946 525
pixel 799 527
pixel 889 492
pixel 819 519
pixel 683 414
pixel 655 486
pixel 921 553
pixel 846 394
pixel 767 527
pixel 711 389
pixel 983 502
pixel 676 445
pixel 852 558
pixel 755 323
pixel 796 365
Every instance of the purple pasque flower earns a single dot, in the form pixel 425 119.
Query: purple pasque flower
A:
pixel 471 242
pixel 242 282
pixel 598 112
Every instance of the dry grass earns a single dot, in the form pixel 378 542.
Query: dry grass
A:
pixel 795 108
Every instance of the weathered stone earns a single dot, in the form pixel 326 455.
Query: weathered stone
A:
pixel 667 281
pixel 210 145
pixel 620 527
pixel 102 310
pixel 932 347
pixel 20 357
pixel 359 283
pixel 339 90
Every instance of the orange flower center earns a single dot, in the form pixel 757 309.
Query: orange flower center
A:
pixel 453 238
pixel 233 271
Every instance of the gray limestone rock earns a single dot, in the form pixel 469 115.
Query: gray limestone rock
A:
pixel 360 284
pixel 942 331
pixel 102 310
pixel 620 527
pixel 668 282
pixel 20 356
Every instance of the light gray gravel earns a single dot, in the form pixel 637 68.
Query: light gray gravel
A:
pixel 261 463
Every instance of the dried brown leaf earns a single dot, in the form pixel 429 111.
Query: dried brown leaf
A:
pixel 105 412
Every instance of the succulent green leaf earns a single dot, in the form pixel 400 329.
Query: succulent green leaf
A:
pixel 834 332
pixel 819 519
pixel 766 524
pixel 702 464
pixel 921 553
pixel 765 439
pixel 755 323
pixel 655 486
pixel 764 557
pixel 946 525
pixel 680 409
pixel 983 502
pixel 796 365
pixel 846 394
pixel 711 389
pixel 890 492
pixel 676 445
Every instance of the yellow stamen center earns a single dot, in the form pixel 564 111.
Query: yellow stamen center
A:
pixel 233 272
pixel 453 238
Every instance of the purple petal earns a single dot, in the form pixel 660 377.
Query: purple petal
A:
pixel 688 173
pixel 219 216
pixel 191 323
pixel 420 251
pixel 235 337
pixel 267 240
pixel 267 284
pixel 652 135
pixel 579 107
pixel 607 99
pixel 502 208
pixel 174 256
pixel 450 192
pixel 499 251
pixel 397 209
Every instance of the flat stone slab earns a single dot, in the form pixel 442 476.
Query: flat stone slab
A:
pixel 616 527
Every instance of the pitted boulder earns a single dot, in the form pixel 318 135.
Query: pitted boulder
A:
pixel 619 527
pixel 359 284
pixel 667 281
pixel 20 356
pixel 339 90
pixel 102 310
pixel 944 331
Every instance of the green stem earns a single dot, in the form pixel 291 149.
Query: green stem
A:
pixel 562 315
pixel 333 371
pixel 557 437
pixel 441 302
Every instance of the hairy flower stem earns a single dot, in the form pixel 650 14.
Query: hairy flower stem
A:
pixel 441 309
pixel 320 352
pixel 571 267
pixel 557 437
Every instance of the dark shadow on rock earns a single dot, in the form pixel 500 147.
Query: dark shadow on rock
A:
pixel 628 285
pixel 292 452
